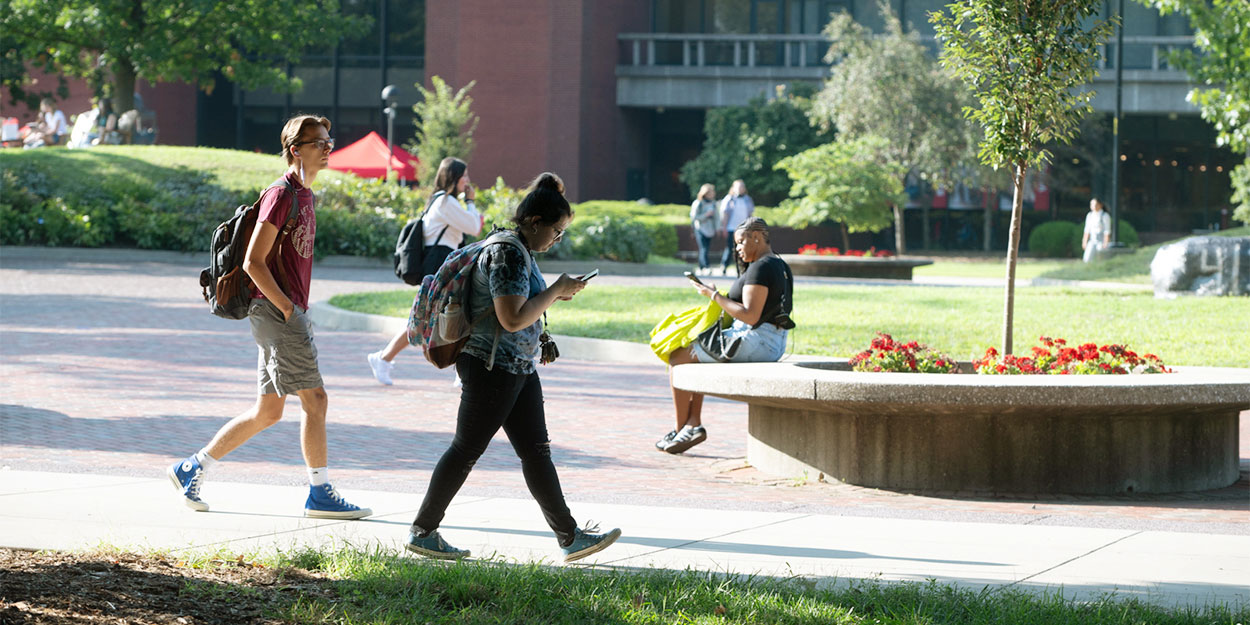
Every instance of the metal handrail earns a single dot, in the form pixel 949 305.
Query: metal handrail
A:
pixel 642 48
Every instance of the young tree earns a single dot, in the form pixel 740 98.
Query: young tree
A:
pixel 888 86
pixel 248 41
pixel 1026 62
pixel 445 124
pixel 845 181
pixel 745 142
pixel 1222 32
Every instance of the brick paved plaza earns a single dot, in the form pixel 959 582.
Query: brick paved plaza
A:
pixel 110 364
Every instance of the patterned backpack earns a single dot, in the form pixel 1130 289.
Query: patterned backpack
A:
pixel 439 321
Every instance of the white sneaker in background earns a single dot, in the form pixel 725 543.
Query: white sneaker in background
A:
pixel 381 368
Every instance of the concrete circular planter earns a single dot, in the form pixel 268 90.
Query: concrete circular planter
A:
pixel 891 268
pixel 987 434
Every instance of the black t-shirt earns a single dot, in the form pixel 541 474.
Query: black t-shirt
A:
pixel 772 272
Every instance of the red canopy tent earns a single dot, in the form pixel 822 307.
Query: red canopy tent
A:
pixel 367 158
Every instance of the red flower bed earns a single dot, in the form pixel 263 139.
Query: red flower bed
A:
pixel 1055 357
pixel 886 354
pixel 811 249
pixel 1052 356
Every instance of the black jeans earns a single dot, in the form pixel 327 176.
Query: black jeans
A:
pixel 490 400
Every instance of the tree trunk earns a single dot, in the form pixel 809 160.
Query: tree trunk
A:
pixel 846 237
pixel 123 85
pixel 1013 250
pixel 900 240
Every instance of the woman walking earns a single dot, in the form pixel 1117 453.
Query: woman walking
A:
pixel 703 224
pixel 500 383
pixel 447 221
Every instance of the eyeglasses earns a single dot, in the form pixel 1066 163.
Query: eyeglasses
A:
pixel 322 144
pixel 559 233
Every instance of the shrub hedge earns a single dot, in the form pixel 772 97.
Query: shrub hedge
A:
pixel 165 197
pixel 1053 239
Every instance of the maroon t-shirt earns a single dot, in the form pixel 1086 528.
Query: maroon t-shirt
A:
pixel 296 255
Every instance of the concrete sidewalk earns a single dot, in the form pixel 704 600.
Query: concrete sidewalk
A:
pixel 63 511
pixel 110 369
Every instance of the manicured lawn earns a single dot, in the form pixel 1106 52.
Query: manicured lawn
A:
pixel 1026 268
pixel 841 320
pixel 235 170
pixel 379 587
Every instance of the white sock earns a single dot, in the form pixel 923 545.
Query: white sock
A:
pixel 204 459
pixel 319 476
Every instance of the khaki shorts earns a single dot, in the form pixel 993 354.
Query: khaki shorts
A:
pixel 287 360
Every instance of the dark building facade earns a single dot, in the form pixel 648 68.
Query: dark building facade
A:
pixel 613 94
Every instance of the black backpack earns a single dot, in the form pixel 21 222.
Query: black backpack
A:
pixel 227 288
pixel 410 247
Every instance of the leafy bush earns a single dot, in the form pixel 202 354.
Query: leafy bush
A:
pixel 133 198
pixel 613 238
pixel 1053 239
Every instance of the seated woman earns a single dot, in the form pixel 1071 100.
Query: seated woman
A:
pixel 760 302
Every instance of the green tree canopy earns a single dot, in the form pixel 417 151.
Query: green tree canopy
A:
pixel 1026 62
pixel 1222 33
pixel 846 181
pixel 445 124
pixel 248 41
pixel 745 142
pixel 888 86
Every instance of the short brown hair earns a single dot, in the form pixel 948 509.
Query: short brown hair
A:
pixel 294 129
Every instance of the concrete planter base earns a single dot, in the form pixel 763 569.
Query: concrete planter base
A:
pixel 853 266
pixel 987 434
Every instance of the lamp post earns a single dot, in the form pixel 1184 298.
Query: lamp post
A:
pixel 1115 131
pixel 388 97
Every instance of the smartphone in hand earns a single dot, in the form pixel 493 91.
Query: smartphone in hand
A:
pixel 693 278
pixel 587 277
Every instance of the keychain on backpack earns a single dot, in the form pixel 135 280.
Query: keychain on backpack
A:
pixel 547 346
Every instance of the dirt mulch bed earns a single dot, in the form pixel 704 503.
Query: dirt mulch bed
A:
pixel 116 588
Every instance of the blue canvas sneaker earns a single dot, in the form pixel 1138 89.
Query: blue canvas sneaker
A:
pixel 433 546
pixel 585 542
pixel 326 503
pixel 187 475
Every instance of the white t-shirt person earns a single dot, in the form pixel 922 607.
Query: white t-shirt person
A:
pixel 459 219
pixel 1097 235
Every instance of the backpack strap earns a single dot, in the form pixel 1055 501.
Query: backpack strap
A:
pixel 292 216
pixel 505 237
pixel 428 206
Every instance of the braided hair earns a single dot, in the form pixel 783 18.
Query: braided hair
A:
pixel 753 224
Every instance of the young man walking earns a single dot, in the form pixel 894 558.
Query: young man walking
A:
pixel 287 362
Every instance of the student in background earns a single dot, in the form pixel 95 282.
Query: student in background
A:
pixel 734 209
pixel 703 224
pixel 49 129
pixel 447 221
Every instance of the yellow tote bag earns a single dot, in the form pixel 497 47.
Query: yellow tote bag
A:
pixel 679 330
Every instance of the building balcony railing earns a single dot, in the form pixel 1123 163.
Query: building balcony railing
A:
pixel 695 50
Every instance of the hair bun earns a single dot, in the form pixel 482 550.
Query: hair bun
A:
pixel 549 181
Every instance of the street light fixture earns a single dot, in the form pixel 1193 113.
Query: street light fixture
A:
pixel 388 97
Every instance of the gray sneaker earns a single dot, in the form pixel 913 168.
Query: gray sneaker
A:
pixel 585 542
pixel 433 546
pixel 688 437
pixel 663 443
